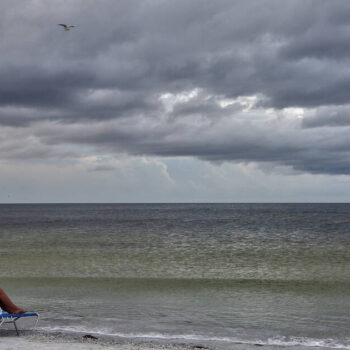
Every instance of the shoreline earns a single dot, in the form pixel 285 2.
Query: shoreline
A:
pixel 41 340
pixel 61 341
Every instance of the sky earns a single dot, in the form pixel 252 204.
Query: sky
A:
pixel 175 101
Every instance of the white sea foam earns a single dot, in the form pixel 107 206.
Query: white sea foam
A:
pixel 309 342
pixel 276 341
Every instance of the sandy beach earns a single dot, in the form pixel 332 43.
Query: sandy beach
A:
pixel 38 342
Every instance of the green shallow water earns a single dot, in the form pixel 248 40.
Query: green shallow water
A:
pixel 242 310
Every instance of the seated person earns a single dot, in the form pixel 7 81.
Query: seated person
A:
pixel 7 305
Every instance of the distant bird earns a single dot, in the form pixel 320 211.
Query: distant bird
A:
pixel 65 26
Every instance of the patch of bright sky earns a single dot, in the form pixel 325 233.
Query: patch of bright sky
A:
pixel 169 100
pixel 247 102
pixel 154 179
pixel 294 112
pixel 249 107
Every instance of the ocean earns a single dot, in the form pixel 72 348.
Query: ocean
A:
pixel 218 275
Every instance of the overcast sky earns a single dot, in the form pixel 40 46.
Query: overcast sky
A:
pixel 175 101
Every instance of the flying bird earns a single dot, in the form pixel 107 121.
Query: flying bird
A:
pixel 65 26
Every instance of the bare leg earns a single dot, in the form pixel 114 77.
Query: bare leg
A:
pixel 7 305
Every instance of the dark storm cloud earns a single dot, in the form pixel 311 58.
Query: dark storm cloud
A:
pixel 334 116
pixel 122 80
pixel 32 86
pixel 305 150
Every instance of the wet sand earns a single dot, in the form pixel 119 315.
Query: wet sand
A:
pixel 54 343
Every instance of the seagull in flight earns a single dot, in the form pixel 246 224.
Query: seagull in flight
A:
pixel 65 26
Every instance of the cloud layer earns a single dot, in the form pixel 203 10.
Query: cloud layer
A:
pixel 238 81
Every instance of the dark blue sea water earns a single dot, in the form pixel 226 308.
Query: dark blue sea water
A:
pixel 218 274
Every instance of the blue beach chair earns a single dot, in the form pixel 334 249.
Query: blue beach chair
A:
pixel 13 318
